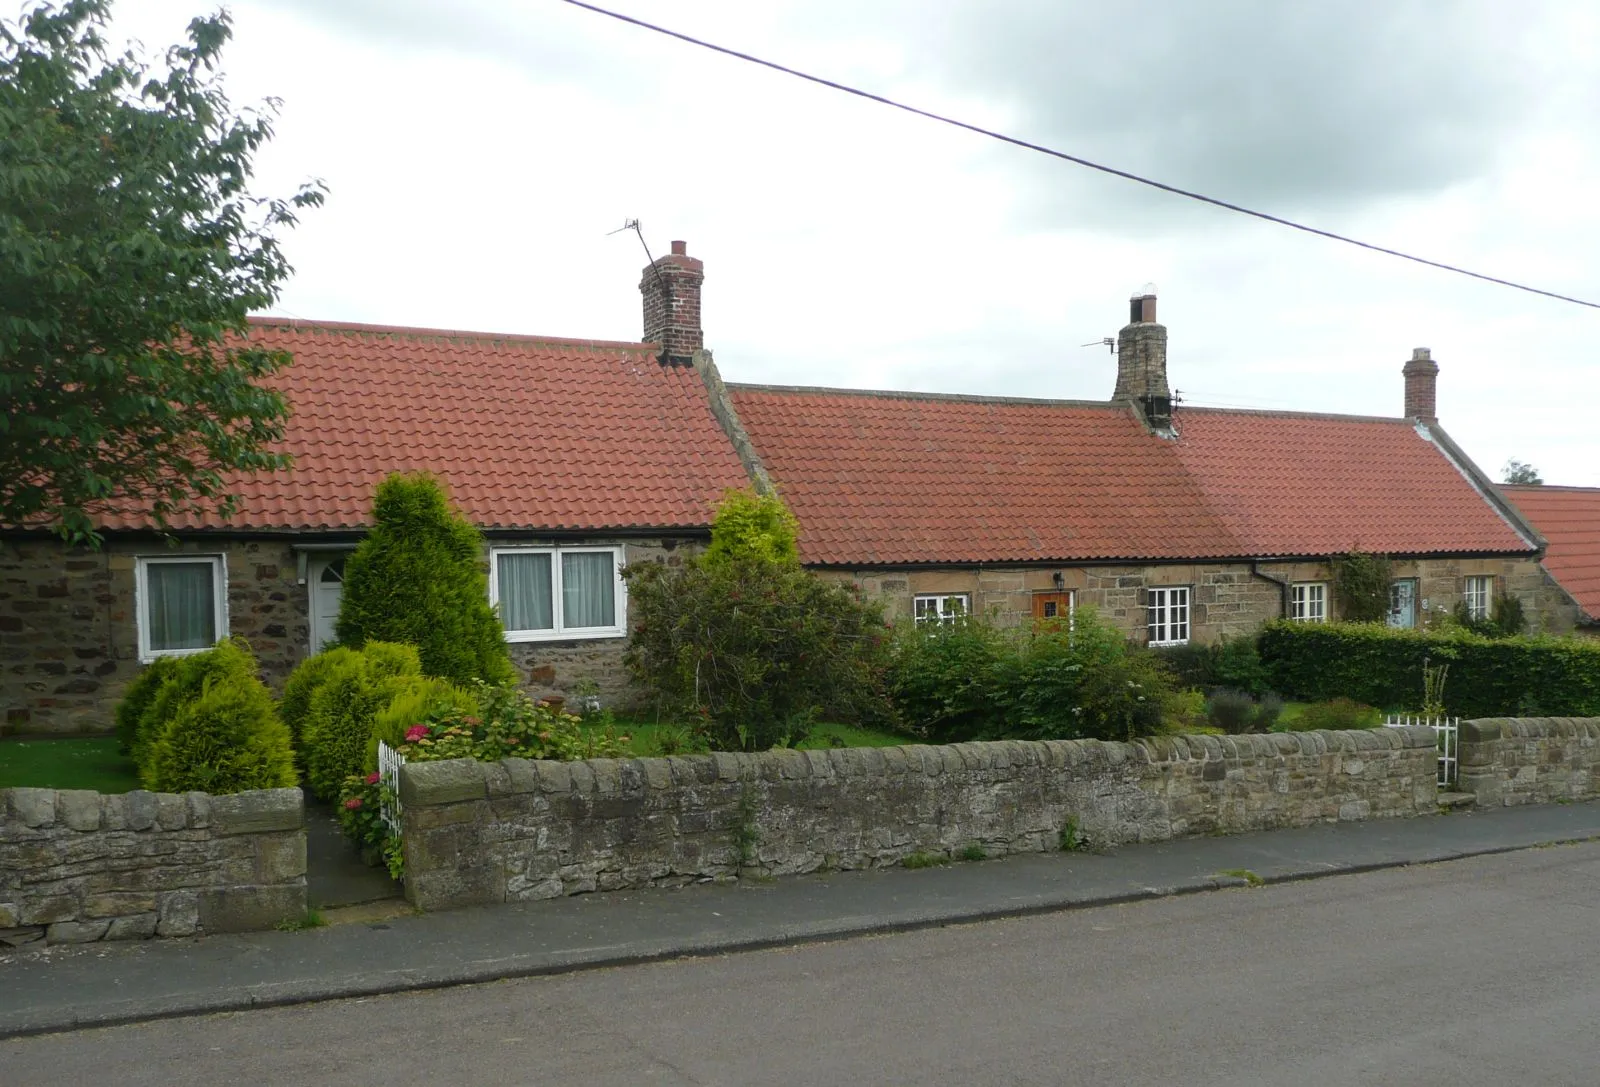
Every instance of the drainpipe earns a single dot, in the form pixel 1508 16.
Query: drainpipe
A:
pixel 1283 587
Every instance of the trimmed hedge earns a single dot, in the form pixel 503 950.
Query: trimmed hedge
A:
pixel 1522 676
pixel 302 684
pixel 229 659
pixel 226 741
pixel 338 726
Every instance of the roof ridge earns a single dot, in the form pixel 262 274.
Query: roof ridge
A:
pixel 302 324
pixel 904 394
pixel 1542 487
pixel 1182 410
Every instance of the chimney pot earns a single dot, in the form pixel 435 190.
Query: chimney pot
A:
pixel 1422 379
pixel 680 249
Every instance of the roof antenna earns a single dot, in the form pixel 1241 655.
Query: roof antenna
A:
pixel 1111 344
pixel 666 292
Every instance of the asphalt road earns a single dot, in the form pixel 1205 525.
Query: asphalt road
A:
pixel 1479 971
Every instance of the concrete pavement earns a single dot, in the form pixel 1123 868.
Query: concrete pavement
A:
pixel 103 984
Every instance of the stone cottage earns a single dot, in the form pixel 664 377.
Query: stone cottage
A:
pixel 1569 519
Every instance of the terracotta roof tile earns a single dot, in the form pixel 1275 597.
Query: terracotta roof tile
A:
pixel 905 478
pixel 528 433
pixel 1569 520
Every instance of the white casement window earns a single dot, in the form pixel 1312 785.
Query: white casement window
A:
pixel 1167 614
pixel 558 593
pixel 943 608
pixel 182 602
pixel 1308 602
pixel 1477 593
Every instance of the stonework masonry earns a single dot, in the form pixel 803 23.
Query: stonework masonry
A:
pixel 79 866
pixel 481 833
pixel 69 625
pixel 1531 760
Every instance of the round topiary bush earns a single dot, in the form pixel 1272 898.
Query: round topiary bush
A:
pixel 338 726
pixel 226 741
pixel 419 578
pixel 139 694
pixel 303 682
pixel 230 659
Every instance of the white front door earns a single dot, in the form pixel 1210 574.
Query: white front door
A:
pixel 325 583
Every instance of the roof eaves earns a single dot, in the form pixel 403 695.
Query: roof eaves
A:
pixel 1483 485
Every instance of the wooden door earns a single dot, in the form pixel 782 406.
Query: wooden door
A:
pixel 1048 607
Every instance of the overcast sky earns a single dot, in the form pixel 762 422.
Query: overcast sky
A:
pixel 477 152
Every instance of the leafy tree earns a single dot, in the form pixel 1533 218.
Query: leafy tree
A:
pixel 130 254
pixel 418 579
pixel 1516 471
pixel 1361 586
pixel 750 644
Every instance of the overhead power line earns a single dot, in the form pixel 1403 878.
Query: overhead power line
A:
pixel 1053 153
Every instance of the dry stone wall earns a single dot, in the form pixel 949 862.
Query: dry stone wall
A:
pixel 78 866
pixel 478 833
pixel 1530 760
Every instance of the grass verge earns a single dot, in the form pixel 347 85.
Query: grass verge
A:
pixel 73 762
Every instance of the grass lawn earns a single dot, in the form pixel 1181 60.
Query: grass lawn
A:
pixel 644 744
pixel 68 763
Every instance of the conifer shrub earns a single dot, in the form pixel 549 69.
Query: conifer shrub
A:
pixel 302 684
pixel 227 740
pixel 229 659
pixel 338 726
pixel 419 700
pixel 419 579
pixel 137 697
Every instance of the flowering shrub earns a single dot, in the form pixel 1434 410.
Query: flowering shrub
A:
pixel 361 803
pixel 508 725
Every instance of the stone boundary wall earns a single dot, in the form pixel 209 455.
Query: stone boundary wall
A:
pixel 1530 760
pixel 479 833
pixel 78 866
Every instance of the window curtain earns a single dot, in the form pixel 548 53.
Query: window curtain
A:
pixel 588 589
pixel 524 591
pixel 182 605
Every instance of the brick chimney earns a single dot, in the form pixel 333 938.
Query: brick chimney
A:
pixel 1142 361
pixel 1422 378
pixel 671 290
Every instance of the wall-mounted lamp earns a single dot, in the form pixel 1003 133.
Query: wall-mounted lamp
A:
pixel 1061 582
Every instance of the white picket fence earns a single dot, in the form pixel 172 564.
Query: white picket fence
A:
pixel 389 763
pixel 1446 731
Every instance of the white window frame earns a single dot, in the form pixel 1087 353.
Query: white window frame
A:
pixel 561 632
pixel 1167 615
pixel 141 599
pixel 941 613
pixel 1484 607
pixel 1308 602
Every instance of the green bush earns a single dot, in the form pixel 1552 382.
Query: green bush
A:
pixel 1193 663
pixel 952 682
pixel 419 700
pixel 303 682
pixel 229 659
pixel 227 740
pixel 1361 586
pixel 138 695
pixel 751 644
pixel 1335 715
pixel 418 578
pixel 1381 666
pixel 1239 666
pixel 751 525
pixel 1230 710
pixel 339 724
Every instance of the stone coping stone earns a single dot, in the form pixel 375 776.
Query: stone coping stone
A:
pixel 256 812
pixel 1487 729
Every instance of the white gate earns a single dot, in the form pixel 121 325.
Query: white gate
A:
pixel 389 763
pixel 1446 731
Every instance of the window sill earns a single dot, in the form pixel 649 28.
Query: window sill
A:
pixel 584 634
pixel 150 656
pixel 1163 645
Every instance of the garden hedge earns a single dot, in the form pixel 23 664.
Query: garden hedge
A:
pixel 1522 676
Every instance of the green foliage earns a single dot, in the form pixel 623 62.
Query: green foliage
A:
pixel 920 859
pixel 362 799
pixel 420 699
pixel 508 725
pixel 226 741
pixel 1236 712
pixel 1379 666
pixel 230 659
pixel 974 852
pixel 1516 471
pixel 338 725
pixel 418 579
pixel 1070 838
pixel 754 650
pixel 1361 586
pixel 1506 620
pixel 969 681
pixel 302 684
pixel 139 694
pixel 1335 715
pixel 131 253
pixel 1232 662
pixel 755 526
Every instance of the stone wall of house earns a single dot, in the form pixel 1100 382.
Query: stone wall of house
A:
pixel 1530 760
pixel 79 866
pixel 69 627
pixel 479 833
pixel 1226 599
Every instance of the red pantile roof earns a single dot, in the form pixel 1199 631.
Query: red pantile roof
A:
pixel 528 433
pixel 906 478
pixel 1569 520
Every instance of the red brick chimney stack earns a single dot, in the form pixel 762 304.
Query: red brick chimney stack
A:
pixel 1422 379
pixel 671 291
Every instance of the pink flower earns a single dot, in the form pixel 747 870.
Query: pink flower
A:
pixel 352 804
pixel 415 733
pixel 372 778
